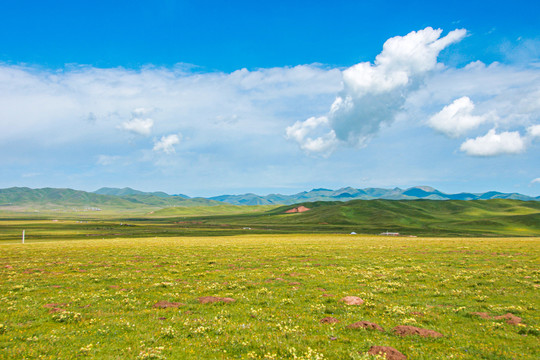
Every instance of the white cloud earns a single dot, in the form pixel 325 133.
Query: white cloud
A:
pixel 86 104
pixel 138 126
pixel 493 144
pixel 300 131
pixel 374 93
pixel 534 131
pixel 456 119
pixel 166 144
pixel 536 181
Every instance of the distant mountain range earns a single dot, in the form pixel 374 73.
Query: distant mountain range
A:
pixel 349 193
pixel 127 197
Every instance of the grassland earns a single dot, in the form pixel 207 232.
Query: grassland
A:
pixel 417 218
pixel 95 298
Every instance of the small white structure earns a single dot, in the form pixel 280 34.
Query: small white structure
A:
pixel 353 233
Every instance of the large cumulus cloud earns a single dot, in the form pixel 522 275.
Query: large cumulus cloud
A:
pixel 499 105
pixel 373 93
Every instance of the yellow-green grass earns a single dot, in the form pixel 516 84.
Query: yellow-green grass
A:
pixel 283 286
pixel 211 210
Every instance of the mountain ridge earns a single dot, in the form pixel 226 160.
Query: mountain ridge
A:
pixel 128 197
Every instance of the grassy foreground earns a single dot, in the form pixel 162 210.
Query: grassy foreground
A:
pixel 95 298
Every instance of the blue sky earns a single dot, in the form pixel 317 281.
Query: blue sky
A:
pixel 207 97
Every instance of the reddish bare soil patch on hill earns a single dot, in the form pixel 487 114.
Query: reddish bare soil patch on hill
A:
pixel 510 318
pixel 365 325
pixel 213 299
pixel 299 209
pixel 329 320
pixel 166 304
pixel 352 300
pixel 404 330
pixel 388 352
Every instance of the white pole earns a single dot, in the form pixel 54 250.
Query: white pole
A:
pixel 23 236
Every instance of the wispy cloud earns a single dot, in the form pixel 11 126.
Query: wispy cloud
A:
pixel 166 144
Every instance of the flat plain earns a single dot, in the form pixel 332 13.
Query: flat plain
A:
pixel 142 298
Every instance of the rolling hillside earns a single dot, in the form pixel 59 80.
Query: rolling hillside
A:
pixel 418 217
pixel 48 198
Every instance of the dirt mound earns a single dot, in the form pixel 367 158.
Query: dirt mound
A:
pixel 365 325
pixel 213 299
pixel 352 300
pixel 483 315
pixel 329 320
pixel 510 318
pixel 404 330
pixel 166 304
pixel 388 352
pixel 299 209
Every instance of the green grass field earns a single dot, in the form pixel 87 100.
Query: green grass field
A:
pixel 95 298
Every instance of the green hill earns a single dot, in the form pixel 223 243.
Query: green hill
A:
pixel 51 198
pixel 408 217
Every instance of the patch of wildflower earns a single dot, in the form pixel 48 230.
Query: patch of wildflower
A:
pixel 67 316
pixel 287 327
pixel 408 321
pixel 152 353
pixel 169 332
pixel 309 354
pixel 398 310
pixel 86 349
pixel 317 307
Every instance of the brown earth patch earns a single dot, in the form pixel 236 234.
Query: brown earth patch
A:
pixel 417 313
pixel 365 325
pixel 388 352
pixel 299 209
pixel 213 299
pixel 352 300
pixel 404 330
pixel 510 318
pixel 329 320
pixel 483 315
pixel 166 304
